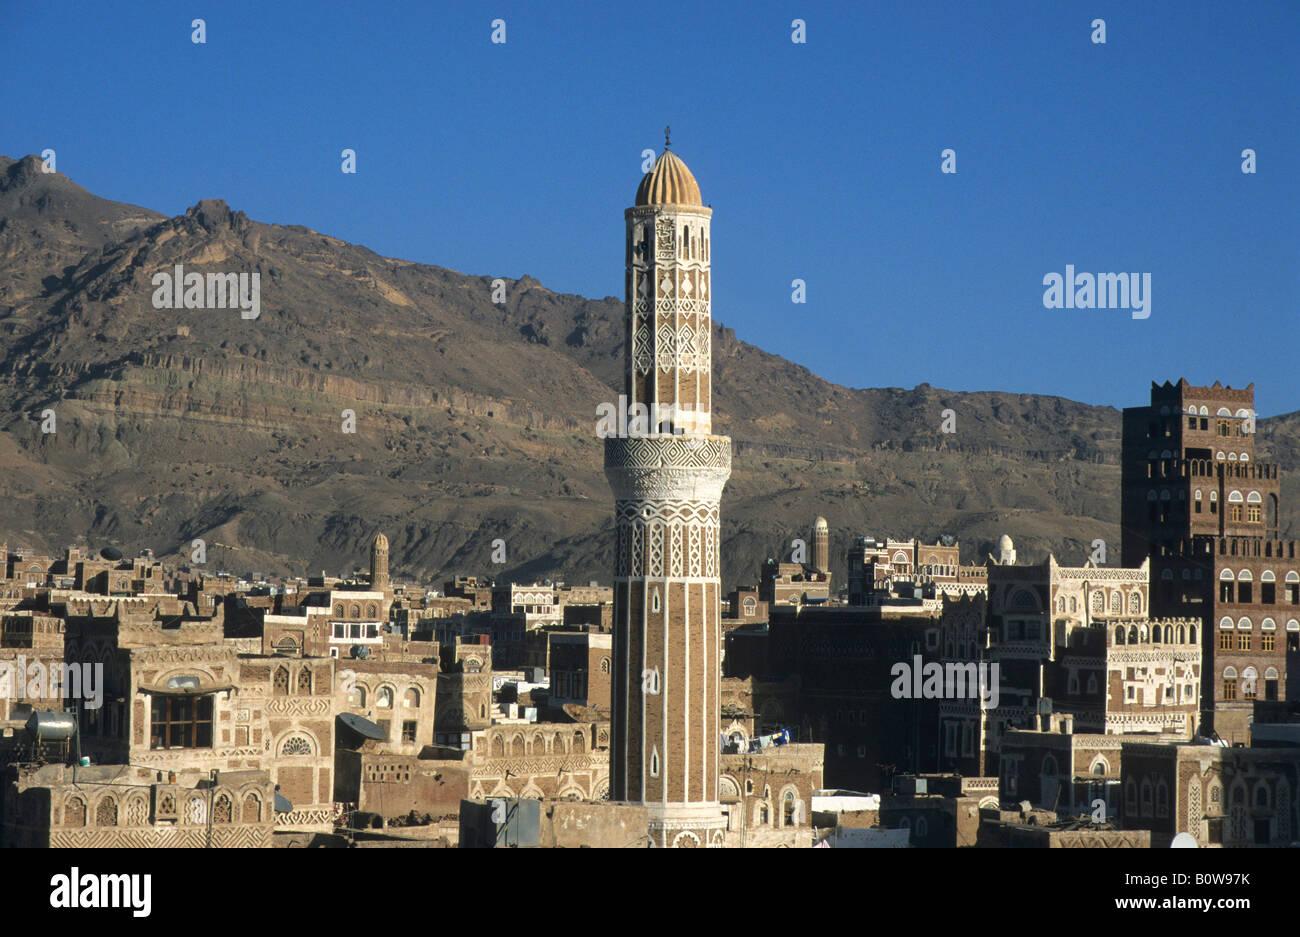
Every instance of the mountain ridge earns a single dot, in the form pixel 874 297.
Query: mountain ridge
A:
pixel 474 420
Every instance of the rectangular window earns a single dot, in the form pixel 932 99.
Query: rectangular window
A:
pixel 1225 640
pixel 408 731
pixel 1229 689
pixel 1227 592
pixel 1234 512
pixel 1268 592
pixel 1270 642
pixel 181 722
pixel 1245 593
pixel 1243 641
pixel 1248 690
pixel 1293 593
pixel 1198 506
pixel 1252 513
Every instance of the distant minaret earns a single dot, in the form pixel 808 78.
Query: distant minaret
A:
pixel 821 546
pixel 379 563
pixel 1006 551
pixel 667 488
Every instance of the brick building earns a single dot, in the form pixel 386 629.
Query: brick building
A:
pixel 1197 501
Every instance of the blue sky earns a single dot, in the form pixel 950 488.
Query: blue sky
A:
pixel 821 161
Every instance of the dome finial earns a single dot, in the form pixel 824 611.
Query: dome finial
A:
pixel 666 132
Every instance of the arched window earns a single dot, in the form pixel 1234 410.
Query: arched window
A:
pixel 357 698
pixel 304 682
pixel 411 698
pixel 517 747
pixel 222 809
pixel 106 812
pixel 1098 603
pixel 280 684
pixel 1261 795
pixel 654 600
pixel 1119 634
pixel 604 665
pixel 296 745
pixel 384 699
pixel 74 814
pixel 356 611
pixel 338 610
pixel 1249 677
pixel 252 809
pixel 498 748
pixel 579 742
pixel 372 612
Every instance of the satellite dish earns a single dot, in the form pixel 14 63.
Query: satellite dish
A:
pixel 111 553
pixel 1184 841
pixel 360 651
pixel 282 804
pixel 363 727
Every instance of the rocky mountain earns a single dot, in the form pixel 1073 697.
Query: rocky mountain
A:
pixel 474 420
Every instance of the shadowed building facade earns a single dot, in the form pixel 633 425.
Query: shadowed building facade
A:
pixel 667 487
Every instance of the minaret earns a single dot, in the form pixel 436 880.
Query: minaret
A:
pixel 379 563
pixel 667 488
pixel 821 546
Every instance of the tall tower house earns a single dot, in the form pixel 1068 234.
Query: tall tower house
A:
pixel 667 487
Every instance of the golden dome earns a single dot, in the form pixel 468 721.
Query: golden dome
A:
pixel 668 182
